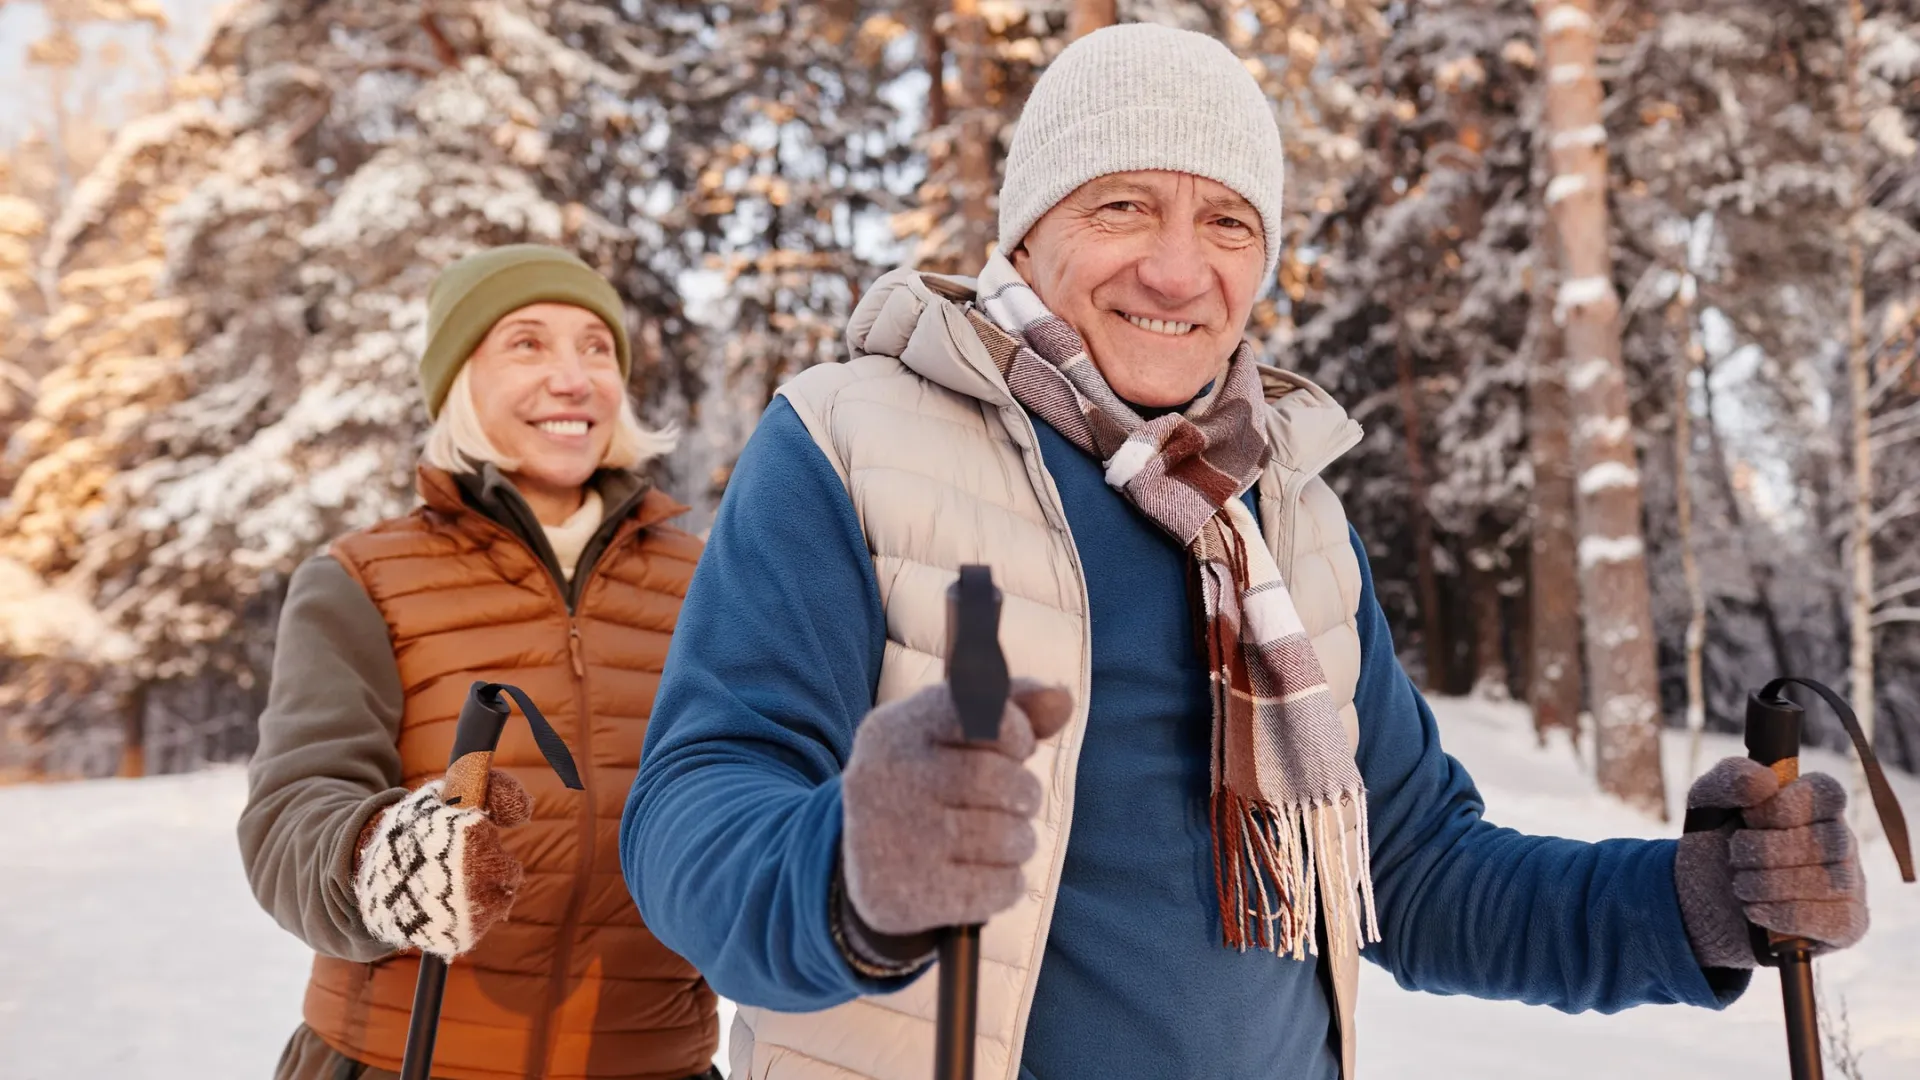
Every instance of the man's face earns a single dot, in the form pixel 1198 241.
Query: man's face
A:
pixel 1156 270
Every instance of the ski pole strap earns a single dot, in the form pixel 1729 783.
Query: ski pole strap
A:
pixel 1891 819
pixel 551 745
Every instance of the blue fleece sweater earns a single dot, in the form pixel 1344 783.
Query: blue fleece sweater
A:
pixel 730 835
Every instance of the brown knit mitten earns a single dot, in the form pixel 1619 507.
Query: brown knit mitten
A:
pixel 1791 865
pixel 935 827
pixel 434 877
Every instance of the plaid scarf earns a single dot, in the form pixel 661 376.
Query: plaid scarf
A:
pixel 1282 770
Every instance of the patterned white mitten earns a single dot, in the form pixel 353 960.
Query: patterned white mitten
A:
pixel 434 877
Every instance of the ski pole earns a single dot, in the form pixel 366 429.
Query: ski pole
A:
pixel 977 678
pixel 482 718
pixel 1773 740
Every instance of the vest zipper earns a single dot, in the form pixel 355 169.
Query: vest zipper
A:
pixel 540 1044
pixel 584 865
pixel 1066 768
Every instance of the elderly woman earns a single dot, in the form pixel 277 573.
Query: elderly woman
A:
pixel 540 558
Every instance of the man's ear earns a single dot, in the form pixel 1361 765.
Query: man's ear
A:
pixel 1020 259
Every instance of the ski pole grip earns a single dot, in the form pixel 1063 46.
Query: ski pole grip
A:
pixel 482 718
pixel 976 668
pixel 1773 740
pixel 1773 734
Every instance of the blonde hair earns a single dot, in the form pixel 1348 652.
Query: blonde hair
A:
pixel 458 444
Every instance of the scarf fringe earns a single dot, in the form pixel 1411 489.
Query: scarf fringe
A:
pixel 1280 869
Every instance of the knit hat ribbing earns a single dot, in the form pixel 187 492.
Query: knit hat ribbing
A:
pixel 1143 96
pixel 480 289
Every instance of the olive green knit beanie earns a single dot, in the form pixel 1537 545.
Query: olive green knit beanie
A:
pixel 479 290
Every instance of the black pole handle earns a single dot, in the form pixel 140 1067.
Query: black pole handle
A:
pixel 977 678
pixel 976 668
pixel 483 718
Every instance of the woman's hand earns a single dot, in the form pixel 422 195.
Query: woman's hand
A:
pixel 434 877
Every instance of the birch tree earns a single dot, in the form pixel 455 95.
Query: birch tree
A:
pixel 1612 550
pixel 1680 313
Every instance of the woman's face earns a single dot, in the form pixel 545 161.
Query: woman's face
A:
pixel 546 386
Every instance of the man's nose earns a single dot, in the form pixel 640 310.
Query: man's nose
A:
pixel 1176 269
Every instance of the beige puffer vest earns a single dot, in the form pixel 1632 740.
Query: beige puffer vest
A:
pixel 944 469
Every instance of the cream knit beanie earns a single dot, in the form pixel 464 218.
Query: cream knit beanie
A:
pixel 1142 96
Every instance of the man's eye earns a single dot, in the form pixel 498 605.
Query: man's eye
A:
pixel 1125 206
pixel 526 343
pixel 1235 224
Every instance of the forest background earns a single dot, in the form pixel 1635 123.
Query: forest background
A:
pixel 1626 295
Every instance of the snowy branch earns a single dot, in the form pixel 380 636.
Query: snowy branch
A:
pixel 1894 377
pixel 1905 506
pixel 1581 292
pixel 1604 429
pixel 1896 590
pixel 1896 615
pixel 1886 421
pixel 1565 186
pixel 1895 435
pixel 1589 372
pixel 1591 135
pixel 1608 474
pixel 1564 18
pixel 1595 550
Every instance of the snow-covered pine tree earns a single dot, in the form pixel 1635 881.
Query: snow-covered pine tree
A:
pixel 1415 313
pixel 1737 156
pixel 243 278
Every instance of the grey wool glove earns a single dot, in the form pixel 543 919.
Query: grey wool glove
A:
pixel 935 828
pixel 1792 867
pixel 434 877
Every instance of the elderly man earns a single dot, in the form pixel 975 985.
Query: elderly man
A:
pixel 1215 789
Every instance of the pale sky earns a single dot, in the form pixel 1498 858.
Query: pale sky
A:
pixel 25 96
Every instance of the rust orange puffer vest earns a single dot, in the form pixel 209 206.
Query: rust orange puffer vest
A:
pixel 571 984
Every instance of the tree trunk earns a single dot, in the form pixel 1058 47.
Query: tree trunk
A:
pixel 1681 314
pixel 974 149
pixel 1489 638
pixel 1090 15
pixel 1903 741
pixel 1553 574
pixel 933 59
pixel 1433 634
pixel 1859 386
pixel 1612 552
pixel 133 746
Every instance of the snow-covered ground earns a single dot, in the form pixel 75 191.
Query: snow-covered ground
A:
pixel 131 949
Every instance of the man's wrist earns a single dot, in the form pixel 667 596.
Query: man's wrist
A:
pixel 867 951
